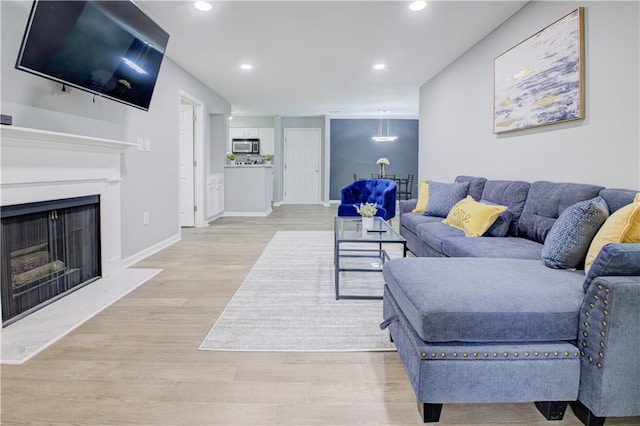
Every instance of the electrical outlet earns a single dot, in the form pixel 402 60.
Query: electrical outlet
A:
pixel 147 144
pixel 145 218
pixel 140 144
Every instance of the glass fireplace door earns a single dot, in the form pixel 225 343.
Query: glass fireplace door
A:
pixel 48 250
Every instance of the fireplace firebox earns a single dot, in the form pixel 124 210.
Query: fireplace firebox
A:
pixel 49 249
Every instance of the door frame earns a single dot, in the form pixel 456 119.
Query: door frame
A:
pixel 198 157
pixel 186 176
pixel 320 162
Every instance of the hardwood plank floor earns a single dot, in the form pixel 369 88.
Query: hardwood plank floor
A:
pixel 138 362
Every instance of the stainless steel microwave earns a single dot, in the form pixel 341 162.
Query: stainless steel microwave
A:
pixel 245 146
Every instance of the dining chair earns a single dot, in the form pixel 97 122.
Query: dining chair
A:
pixel 405 188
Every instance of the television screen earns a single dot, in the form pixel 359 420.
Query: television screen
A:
pixel 109 48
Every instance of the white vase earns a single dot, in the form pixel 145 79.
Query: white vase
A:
pixel 367 223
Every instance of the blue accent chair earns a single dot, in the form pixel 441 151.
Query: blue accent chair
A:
pixel 379 191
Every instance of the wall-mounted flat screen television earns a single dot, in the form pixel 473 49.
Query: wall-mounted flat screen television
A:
pixel 109 48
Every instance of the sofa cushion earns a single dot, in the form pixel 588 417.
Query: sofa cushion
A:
pixel 473 218
pixel 512 194
pixel 545 202
pixel 623 226
pixel 507 247
pixel 617 198
pixel 443 196
pixel 476 185
pixel 435 233
pixel 412 220
pixel 568 240
pixel 615 260
pixel 486 300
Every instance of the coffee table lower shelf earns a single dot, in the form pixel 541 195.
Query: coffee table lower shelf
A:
pixel 346 233
pixel 379 254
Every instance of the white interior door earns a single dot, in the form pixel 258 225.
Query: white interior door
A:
pixel 302 166
pixel 187 213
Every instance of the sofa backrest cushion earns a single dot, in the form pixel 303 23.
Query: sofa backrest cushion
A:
pixel 617 198
pixel 476 185
pixel 545 202
pixel 510 193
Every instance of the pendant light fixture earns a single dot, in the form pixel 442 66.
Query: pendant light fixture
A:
pixel 383 129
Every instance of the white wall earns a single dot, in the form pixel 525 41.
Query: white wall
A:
pixel 456 107
pixel 150 179
pixel 246 121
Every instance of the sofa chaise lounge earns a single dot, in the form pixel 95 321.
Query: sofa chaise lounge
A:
pixel 485 320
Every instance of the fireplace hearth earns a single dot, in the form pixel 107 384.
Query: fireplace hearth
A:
pixel 49 249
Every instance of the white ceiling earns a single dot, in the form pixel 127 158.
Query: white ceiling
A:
pixel 315 57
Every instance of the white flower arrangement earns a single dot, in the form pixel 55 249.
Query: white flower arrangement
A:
pixel 383 161
pixel 367 210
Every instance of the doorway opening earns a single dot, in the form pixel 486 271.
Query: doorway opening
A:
pixel 191 161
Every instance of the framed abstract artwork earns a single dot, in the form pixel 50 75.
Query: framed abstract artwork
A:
pixel 540 81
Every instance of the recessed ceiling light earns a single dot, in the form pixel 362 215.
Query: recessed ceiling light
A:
pixel 379 66
pixel 246 66
pixel 204 6
pixel 417 5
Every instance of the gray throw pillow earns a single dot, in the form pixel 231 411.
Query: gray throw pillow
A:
pixel 443 196
pixel 569 238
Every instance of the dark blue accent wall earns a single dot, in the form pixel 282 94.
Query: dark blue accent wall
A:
pixel 353 151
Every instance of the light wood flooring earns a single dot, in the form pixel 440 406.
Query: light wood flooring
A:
pixel 138 361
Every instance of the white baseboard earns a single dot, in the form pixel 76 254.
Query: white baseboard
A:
pixel 248 214
pixel 131 260
pixel 213 218
pixel 277 203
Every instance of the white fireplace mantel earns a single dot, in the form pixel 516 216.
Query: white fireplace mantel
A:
pixel 39 165
pixel 21 137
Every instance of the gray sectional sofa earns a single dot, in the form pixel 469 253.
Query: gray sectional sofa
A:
pixel 483 319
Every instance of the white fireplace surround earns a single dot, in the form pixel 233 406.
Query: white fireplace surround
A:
pixel 40 165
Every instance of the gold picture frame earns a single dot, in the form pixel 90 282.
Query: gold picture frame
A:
pixel 540 81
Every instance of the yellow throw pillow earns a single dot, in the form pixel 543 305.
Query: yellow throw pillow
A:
pixel 623 226
pixel 637 199
pixel 423 197
pixel 472 217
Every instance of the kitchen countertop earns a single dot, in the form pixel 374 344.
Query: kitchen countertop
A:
pixel 238 166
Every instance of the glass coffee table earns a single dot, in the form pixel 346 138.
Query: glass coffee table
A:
pixel 347 231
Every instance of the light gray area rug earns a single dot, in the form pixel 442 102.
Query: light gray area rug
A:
pixel 287 302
